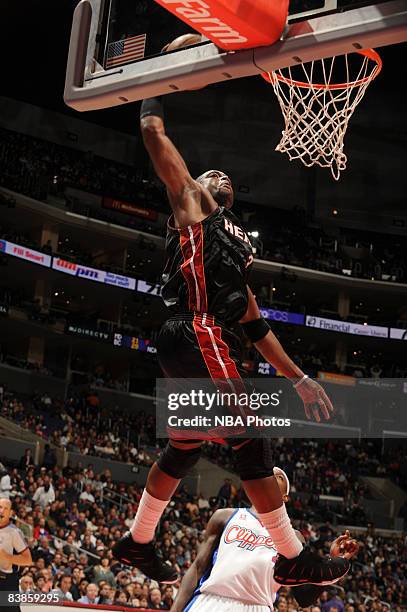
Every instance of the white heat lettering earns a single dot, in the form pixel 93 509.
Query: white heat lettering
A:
pixel 236 231
pixel 229 226
pixel 239 233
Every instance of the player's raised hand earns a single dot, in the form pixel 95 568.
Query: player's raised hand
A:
pixel 316 402
pixel 344 546
pixel 186 40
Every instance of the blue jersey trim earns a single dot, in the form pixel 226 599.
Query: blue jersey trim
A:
pixel 227 523
pixel 206 575
pixel 191 603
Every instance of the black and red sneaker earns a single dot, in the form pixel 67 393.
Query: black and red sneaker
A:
pixel 145 558
pixel 309 568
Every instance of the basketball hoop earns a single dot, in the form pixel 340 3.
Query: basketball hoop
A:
pixel 317 114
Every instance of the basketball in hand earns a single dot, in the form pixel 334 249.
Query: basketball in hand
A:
pixel 186 40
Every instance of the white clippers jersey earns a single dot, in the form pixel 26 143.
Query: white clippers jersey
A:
pixel 243 564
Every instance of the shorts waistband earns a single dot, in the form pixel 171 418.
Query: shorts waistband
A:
pixel 202 317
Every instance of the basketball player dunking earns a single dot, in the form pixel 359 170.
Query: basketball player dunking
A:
pixel 208 257
pixel 234 568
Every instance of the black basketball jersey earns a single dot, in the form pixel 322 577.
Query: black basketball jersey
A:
pixel 207 266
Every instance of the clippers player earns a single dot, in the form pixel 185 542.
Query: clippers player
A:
pixel 234 568
pixel 208 258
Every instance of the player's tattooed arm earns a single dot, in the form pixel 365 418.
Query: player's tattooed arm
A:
pixel 202 562
pixel 168 163
pixel 189 201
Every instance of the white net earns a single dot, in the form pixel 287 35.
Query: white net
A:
pixel 317 114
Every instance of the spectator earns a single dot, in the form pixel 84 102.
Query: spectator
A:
pixel 49 461
pixel 27 584
pixel 27 460
pixel 86 496
pixel 225 492
pixel 5 482
pixel 103 572
pixel 334 604
pixel 106 594
pixel 156 602
pixel 45 494
pixel 63 590
pixel 91 597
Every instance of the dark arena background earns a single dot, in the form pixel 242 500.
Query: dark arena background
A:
pixel 82 234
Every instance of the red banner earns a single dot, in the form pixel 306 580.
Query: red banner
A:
pixel 232 24
pixel 129 209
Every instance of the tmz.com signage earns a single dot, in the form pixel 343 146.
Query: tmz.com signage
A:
pixel 99 276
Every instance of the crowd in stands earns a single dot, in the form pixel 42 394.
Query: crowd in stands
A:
pixel 38 168
pixel 71 524
pixel 83 425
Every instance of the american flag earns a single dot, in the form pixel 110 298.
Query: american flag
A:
pixel 126 50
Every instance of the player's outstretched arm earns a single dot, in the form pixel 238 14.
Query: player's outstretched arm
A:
pixel 189 201
pixel 167 161
pixel 312 394
pixel 269 346
pixel 202 562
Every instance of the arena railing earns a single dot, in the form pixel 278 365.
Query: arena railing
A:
pixel 259 265
pixel 64 542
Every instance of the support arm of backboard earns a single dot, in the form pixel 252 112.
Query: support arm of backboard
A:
pixel 329 35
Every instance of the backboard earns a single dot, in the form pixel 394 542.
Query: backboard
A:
pixel 115 48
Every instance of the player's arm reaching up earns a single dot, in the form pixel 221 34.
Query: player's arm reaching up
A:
pixel 202 562
pixel 312 394
pixel 189 201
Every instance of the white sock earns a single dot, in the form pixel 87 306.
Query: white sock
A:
pixel 147 518
pixel 278 524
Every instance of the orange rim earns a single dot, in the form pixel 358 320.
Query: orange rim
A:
pixel 369 53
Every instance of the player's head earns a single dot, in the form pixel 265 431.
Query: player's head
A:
pixel 5 511
pixel 219 186
pixel 283 482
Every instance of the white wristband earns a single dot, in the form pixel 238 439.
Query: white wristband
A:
pixel 299 382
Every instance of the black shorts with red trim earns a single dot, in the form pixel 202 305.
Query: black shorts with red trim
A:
pixel 196 345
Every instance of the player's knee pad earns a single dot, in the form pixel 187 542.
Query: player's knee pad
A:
pixel 177 462
pixel 254 459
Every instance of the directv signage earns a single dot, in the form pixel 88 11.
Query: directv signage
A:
pixel 87 332
pixel 345 327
